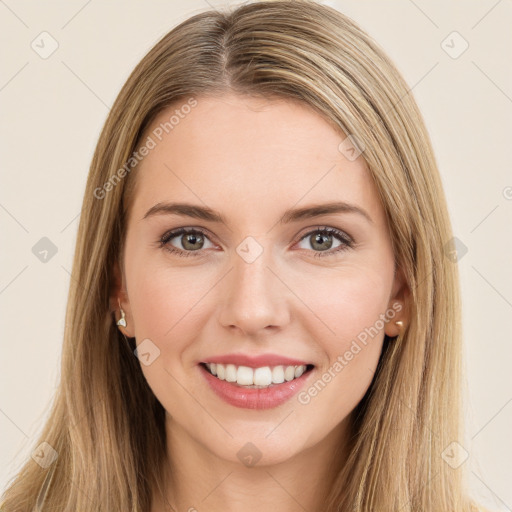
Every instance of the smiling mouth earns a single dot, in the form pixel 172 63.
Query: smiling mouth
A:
pixel 256 378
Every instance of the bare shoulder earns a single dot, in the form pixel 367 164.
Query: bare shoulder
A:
pixel 477 507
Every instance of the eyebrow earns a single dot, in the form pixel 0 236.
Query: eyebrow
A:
pixel 291 215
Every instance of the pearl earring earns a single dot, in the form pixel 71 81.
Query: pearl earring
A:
pixel 400 325
pixel 122 320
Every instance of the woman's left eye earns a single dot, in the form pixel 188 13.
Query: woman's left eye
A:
pixel 322 238
pixel 192 240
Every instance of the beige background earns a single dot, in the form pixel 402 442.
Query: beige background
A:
pixel 53 110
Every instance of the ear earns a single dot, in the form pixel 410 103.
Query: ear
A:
pixel 399 303
pixel 119 297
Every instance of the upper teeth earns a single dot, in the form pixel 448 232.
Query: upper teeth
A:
pixel 264 376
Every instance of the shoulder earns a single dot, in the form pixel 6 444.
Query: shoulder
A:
pixel 477 507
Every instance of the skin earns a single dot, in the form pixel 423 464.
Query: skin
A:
pixel 251 159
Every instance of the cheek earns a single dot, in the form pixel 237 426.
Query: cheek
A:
pixel 346 302
pixel 351 353
pixel 166 308
pixel 350 305
pixel 166 303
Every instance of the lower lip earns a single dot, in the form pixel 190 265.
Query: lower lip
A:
pixel 253 398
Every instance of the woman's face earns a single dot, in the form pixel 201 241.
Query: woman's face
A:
pixel 274 279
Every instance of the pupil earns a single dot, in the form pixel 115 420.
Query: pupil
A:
pixel 321 240
pixel 192 241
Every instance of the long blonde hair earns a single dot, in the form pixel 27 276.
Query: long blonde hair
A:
pixel 107 426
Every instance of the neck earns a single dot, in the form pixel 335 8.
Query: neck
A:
pixel 196 479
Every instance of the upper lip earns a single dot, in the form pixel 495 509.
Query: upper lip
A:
pixel 255 361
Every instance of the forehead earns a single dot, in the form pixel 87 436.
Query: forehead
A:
pixel 252 155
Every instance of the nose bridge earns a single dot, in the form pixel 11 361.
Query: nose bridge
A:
pixel 254 295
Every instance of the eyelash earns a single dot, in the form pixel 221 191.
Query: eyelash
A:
pixel 347 242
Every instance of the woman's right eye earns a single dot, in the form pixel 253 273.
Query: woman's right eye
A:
pixel 191 241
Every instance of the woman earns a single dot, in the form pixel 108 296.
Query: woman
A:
pixel 262 314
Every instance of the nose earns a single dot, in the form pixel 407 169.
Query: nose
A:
pixel 254 298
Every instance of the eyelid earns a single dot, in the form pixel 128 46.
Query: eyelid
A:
pixel 176 232
pixel 340 233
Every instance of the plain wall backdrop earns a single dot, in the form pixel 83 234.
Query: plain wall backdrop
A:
pixel 65 62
